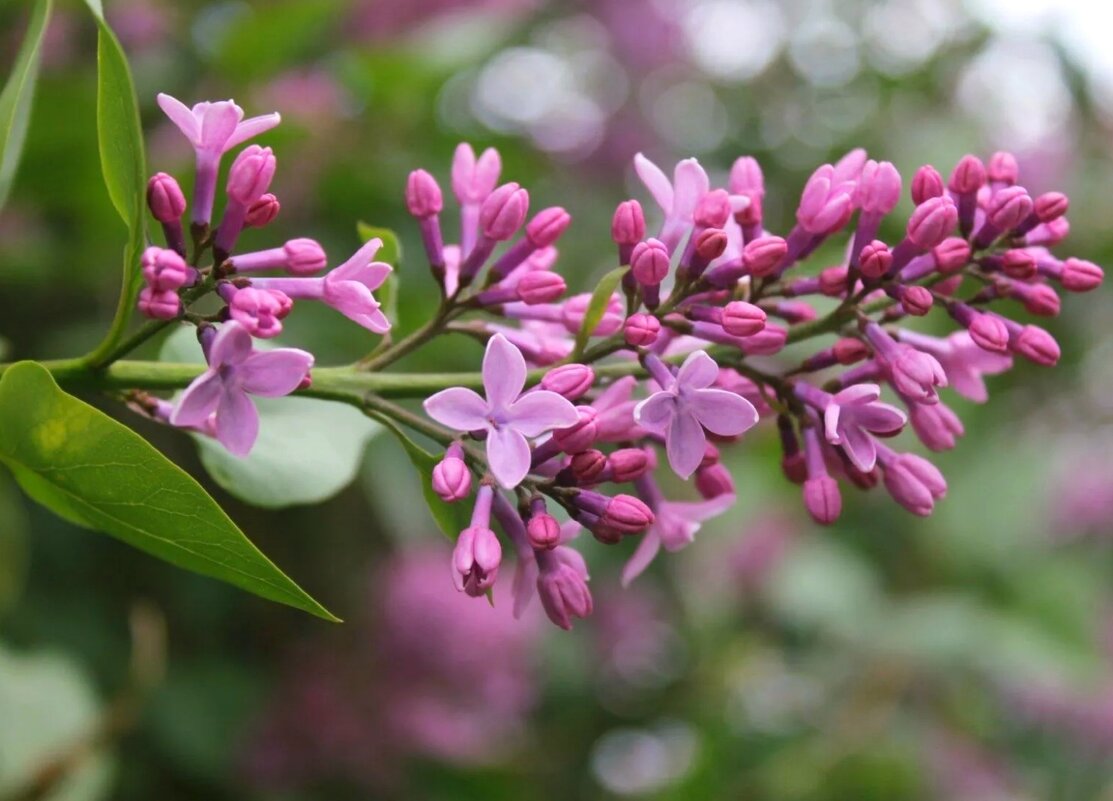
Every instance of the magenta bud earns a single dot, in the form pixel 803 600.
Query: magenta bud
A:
pixel 989 333
pixel 1036 345
pixel 580 435
pixel 504 211
pixel 159 304
pixel 849 350
pixel 476 560
pixel 628 464
pixel 641 330
pixel 627 514
pixel 968 176
pixel 165 198
pixel 713 209
pixel 423 195
pixel 832 281
pixel 746 180
pixel 1050 206
pixel 914 483
pixel 540 286
pixel 547 226
pixel 878 189
pixel 822 499
pixel 714 480
pixel 260 311
pixel 875 260
pixel 761 256
pixel 951 255
pixel 1041 300
pixel 926 184
pixel 938 427
pixel 1019 264
pixel 588 465
pixel 795 467
pixel 916 300
pixel 474 179
pixel 304 257
pixel 1008 208
pixel 164 269
pixel 251 174
pixel 650 262
pixel 263 211
pixel 742 319
pixel 825 204
pixel 1002 168
pixel 564 594
pixel 1080 276
pixel 710 243
pixel 571 381
pixel 628 223
pixel 932 222
pixel 543 531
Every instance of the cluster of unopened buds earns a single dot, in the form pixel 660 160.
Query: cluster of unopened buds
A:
pixel 657 370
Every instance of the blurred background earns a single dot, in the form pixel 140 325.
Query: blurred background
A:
pixel 966 657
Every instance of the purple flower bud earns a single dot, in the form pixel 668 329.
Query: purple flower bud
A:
pixel 1036 345
pixel 968 176
pixel 878 190
pixel 165 269
pixel 822 499
pixel 1080 276
pixel 451 477
pixel 926 184
pixel 932 222
pixel 988 332
pixel 1050 206
pixel 571 381
pixel 423 195
pixel 913 481
pixel 746 180
pixel 711 243
pixel 875 260
pixel 627 514
pixel 1008 208
pixel 263 211
pixel 826 204
pixel 543 530
pixel 832 281
pixel 714 480
pixel 762 256
pixel 1019 263
pixel 937 426
pixel 564 594
pixel 476 560
pixel 916 300
pixel 504 211
pixel 713 209
pixel 628 224
pixel 742 319
pixel 540 286
pixel 641 330
pixel 473 180
pixel 1002 168
pixel 628 464
pixel 165 198
pixel 650 262
pixel 914 374
pixel 581 435
pixel 251 174
pixel 260 311
pixel 1039 299
pixel 159 304
pixel 849 350
pixel 951 255
pixel 304 257
pixel 588 465
pixel 547 226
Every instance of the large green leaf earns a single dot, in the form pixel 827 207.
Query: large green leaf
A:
pixel 19 91
pixel 307 451
pixel 92 470
pixel 597 306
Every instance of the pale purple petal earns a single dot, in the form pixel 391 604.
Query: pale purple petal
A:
pixel 181 116
pixel 655 181
pixel 540 411
pixel 274 373
pixel 251 128
pixel 705 510
pixel 237 422
pixel 832 416
pixel 508 456
pixel 574 559
pixel 198 401
pixel 655 412
pixel 525 583
pixel 361 257
pixel 458 408
pixel 685 443
pixel 721 412
pixel 231 345
pixel 355 301
pixel 504 372
pixel 859 446
pixel 966 382
pixel 375 321
pixel 858 393
pixel 883 418
pixel 642 557
pixel 698 371
pixel 690 184
pixel 218 123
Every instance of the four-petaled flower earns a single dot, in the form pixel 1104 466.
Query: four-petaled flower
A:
pixel 237 370
pixel 687 405
pixel 852 414
pixel 215 127
pixel 675 524
pixel 506 418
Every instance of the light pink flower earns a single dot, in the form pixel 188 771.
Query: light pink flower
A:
pixel 507 418
pixel 217 127
pixel 674 526
pixel 963 361
pixel 686 405
pixel 851 415
pixel 678 198
pixel 237 370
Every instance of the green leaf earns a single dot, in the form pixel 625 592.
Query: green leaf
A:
pixel 597 306
pixel 92 470
pixel 307 451
pixel 18 94
pixel 391 251
pixel 451 518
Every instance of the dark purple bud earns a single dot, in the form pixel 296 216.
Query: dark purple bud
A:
pixel 714 480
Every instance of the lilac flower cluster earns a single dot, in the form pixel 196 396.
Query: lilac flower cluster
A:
pixel 582 394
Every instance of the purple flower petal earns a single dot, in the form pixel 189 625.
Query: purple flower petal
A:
pixel 274 373
pixel 218 123
pixel 508 456
pixel 859 447
pixel 231 345
pixel 458 408
pixel 525 583
pixel 655 412
pixel 642 557
pixel 723 413
pixel 690 184
pixel 180 114
pixel 504 372
pixel 858 394
pixel 198 401
pixel 698 371
pixel 540 411
pixel 881 418
pixel 237 422
pixel 251 128
pixel 655 181
pixel 685 443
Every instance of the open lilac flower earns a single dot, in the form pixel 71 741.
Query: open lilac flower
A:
pixel 507 418
pixel 674 526
pixel 237 370
pixel 678 198
pixel 686 405
pixel 851 415
pixel 963 361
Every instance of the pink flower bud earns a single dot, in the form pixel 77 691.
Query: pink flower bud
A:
pixel 564 594
pixel 476 559
pixel 968 176
pixel 765 342
pixel 650 262
pixel 540 286
pixel 713 209
pixel 304 257
pixel 713 481
pixel 251 174
pixel 1019 264
pixel 761 256
pixel 1002 168
pixel 1009 208
pixel 832 281
pixel 641 330
pixel 504 211
pixel 1080 276
pixel 875 260
pixel 263 211
pixel 822 499
pixel 165 198
pixel 571 381
pixel 951 255
pixel 826 204
pixel 915 483
pixel 746 180
pixel 473 180
pixel 742 319
pixel 711 243
pixel 878 190
pixel 1036 345
pixel 579 436
pixel 989 333
pixel 257 310
pixel 938 427
pixel 849 350
pixel 1050 206
pixel 547 226
pixel 1040 300
pixel 164 269
pixel 628 224
pixel 627 464
pixel 932 222
pixel 159 304
pixel 588 465
pixel 926 184
pixel 627 514
pixel 795 468
pixel 543 531
pixel 916 300
pixel 423 195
